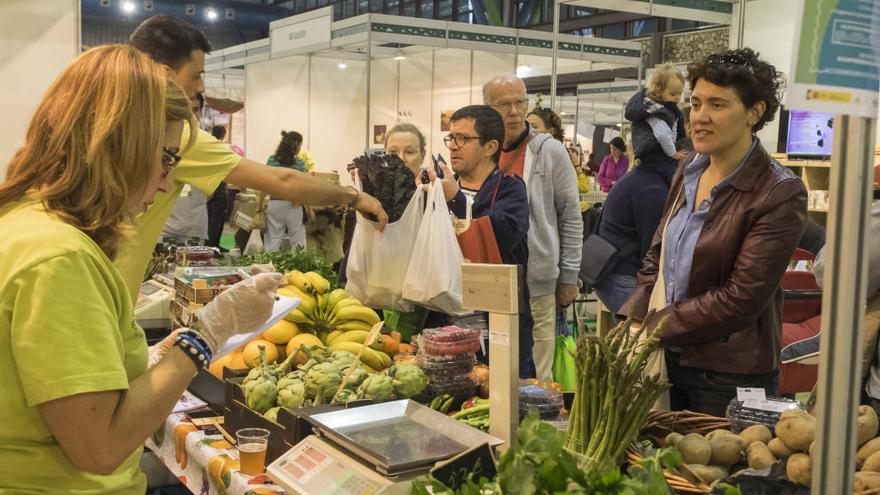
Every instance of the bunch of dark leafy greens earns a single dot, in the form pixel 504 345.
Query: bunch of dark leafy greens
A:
pixel 539 464
pixel 302 259
pixel 386 178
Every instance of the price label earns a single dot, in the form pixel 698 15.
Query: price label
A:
pixel 768 405
pixel 500 338
pixel 750 394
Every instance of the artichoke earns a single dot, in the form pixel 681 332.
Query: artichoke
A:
pixel 261 393
pixel 357 376
pixel 322 380
pixel 408 380
pixel 282 368
pixel 291 392
pixel 345 396
pixel 272 414
pixel 342 359
pixel 376 387
pixel 260 389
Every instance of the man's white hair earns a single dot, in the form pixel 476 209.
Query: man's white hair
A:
pixel 499 80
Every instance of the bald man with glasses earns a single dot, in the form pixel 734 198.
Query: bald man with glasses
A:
pixel 555 224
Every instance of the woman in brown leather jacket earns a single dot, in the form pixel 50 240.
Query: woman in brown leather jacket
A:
pixel 732 220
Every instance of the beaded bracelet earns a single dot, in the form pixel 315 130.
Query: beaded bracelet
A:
pixel 194 331
pixel 200 356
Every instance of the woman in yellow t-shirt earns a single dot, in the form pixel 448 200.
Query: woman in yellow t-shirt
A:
pixel 78 398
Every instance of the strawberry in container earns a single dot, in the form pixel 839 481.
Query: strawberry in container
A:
pixel 451 341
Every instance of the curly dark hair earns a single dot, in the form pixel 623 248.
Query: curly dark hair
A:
pixel 753 79
pixel 551 121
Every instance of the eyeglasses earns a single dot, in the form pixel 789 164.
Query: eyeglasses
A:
pixel 507 106
pixel 460 141
pixel 170 159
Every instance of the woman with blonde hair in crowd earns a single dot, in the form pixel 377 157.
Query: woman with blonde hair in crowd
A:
pixel 78 398
pixel 407 142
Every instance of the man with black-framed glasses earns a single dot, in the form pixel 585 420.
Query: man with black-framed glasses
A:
pixel 555 224
pixel 474 142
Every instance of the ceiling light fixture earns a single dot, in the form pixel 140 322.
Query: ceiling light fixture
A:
pixel 127 6
pixel 342 65
pixel 211 14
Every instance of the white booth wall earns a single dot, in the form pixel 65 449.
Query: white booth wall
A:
pixel 327 104
pixel 38 38
pixel 420 99
pixel 329 111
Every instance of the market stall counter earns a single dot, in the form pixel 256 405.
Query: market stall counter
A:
pixel 207 464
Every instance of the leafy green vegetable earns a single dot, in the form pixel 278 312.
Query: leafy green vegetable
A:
pixel 388 179
pixel 302 259
pixel 539 464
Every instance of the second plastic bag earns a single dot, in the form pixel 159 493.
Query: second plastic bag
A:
pixel 433 278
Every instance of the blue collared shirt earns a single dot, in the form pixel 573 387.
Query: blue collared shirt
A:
pixel 685 227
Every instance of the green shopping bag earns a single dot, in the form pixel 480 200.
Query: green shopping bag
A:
pixel 564 371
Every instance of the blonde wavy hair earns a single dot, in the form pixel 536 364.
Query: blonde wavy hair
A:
pixel 95 141
pixel 660 78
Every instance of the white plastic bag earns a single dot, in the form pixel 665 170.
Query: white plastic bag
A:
pixel 377 261
pixel 254 244
pixel 433 278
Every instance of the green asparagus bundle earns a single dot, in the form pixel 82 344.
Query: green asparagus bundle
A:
pixel 614 395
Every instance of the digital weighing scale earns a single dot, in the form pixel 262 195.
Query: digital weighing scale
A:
pixel 377 449
pixel 154 301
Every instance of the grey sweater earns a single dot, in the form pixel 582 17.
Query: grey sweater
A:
pixel 555 223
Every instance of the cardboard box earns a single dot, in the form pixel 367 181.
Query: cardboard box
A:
pixel 185 290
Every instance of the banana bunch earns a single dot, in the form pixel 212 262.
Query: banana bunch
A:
pixel 328 314
pixel 376 360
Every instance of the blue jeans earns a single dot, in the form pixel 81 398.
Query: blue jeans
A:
pixel 615 290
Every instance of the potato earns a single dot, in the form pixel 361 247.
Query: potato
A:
pixel 796 429
pixel 799 469
pixel 707 474
pixel 866 480
pixel 712 434
pixel 867 424
pixel 865 451
pixel 672 439
pixel 759 455
pixel 756 433
pixel 780 451
pixel 727 433
pixel 695 449
pixel 872 463
pixel 726 450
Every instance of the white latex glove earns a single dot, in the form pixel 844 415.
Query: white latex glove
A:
pixel 267 268
pixel 157 351
pixel 241 308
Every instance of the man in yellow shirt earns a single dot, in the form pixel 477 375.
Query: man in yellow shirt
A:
pixel 180 46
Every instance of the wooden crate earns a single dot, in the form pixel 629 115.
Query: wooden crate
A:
pixel 185 290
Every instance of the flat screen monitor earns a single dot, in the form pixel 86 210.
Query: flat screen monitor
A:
pixel 809 134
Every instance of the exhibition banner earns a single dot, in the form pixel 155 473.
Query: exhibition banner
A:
pixel 712 11
pixel 836 59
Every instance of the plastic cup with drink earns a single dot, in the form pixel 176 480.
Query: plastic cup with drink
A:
pixel 252 444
